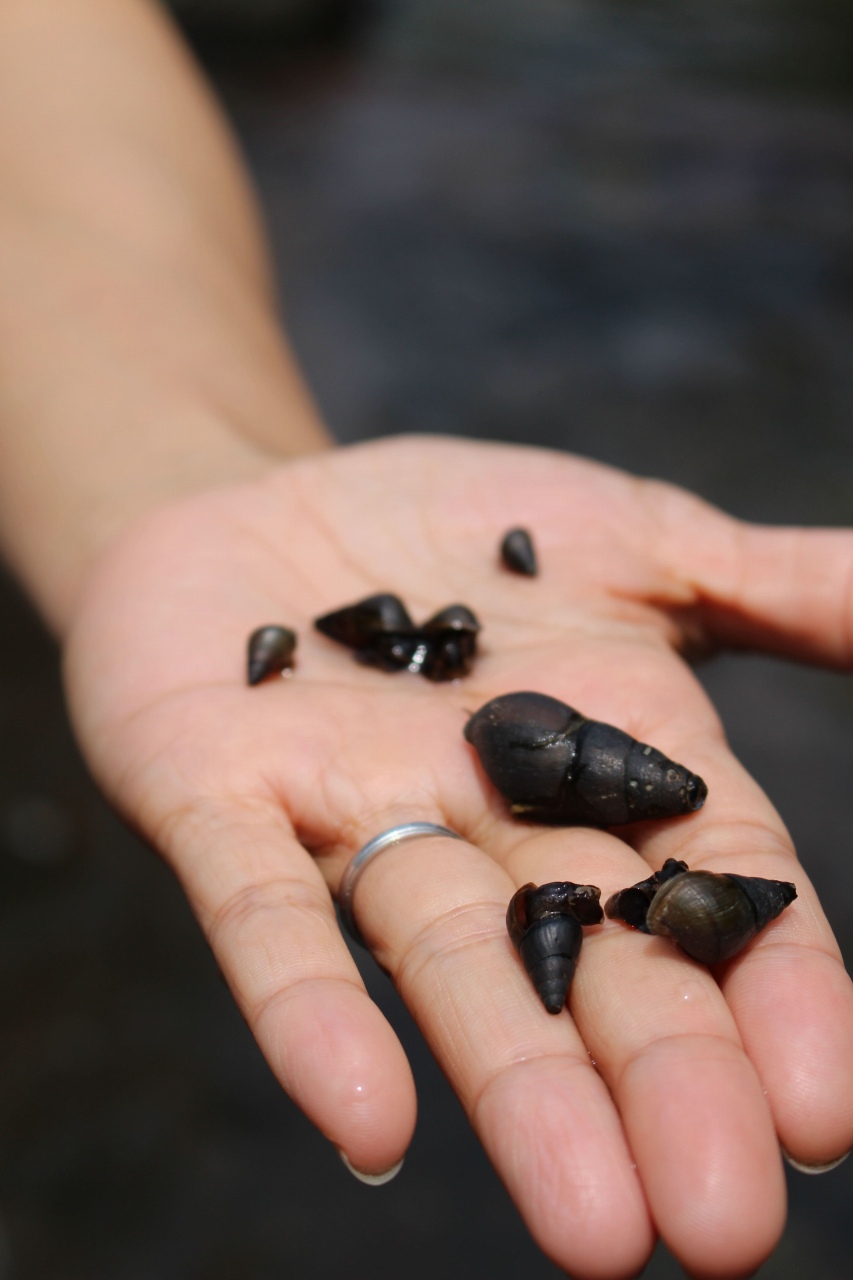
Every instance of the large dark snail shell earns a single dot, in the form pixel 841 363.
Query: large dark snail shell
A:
pixel 518 553
pixel 270 650
pixel 553 765
pixel 711 916
pixel 544 924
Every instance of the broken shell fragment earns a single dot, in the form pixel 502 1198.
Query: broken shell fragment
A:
pixel 270 651
pixel 544 924
pixel 554 765
pixel 518 553
pixel 711 916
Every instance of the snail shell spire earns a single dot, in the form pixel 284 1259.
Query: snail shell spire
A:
pixel 518 552
pixel 549 951
pixel 357 625
pixel 270 650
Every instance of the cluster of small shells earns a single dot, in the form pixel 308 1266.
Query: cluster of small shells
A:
pixel 382 634
pixel 555 765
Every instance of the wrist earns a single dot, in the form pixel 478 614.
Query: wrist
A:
pixel 56 521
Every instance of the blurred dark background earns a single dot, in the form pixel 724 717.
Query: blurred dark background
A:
pixel 622 229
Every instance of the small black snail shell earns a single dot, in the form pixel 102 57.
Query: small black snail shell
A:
pixel 379 628
pixel 518 553
pixel 544 924
pixel 450 640
pixel 270 651
pixel 712 917
pixel 554 765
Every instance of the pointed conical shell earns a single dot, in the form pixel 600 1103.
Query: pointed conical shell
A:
pixel 518 553
pixel 357 625
pixel 712 917
pixel 270 650
pixel 769 898
pixel 544 923
pixel 549 951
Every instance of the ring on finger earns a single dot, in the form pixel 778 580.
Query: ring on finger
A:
pixel 385 839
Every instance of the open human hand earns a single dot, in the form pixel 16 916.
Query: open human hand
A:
pixel 659 1105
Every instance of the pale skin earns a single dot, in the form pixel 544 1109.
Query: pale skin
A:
pixel 166 488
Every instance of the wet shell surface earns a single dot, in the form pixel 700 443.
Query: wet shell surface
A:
pixel 554 765
pixel 712 916
pixel 382 633
pixel 270 651
pixel 544 924
pixel 518 553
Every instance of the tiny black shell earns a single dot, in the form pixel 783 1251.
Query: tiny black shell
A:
pixel 450 641
pixel 544 924
pixel 518 552
pixel 379 628
pixel 270 651
pixel 554 765
pixel 357 625
pixel 711 916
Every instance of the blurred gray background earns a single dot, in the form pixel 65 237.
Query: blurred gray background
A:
pixel 622 229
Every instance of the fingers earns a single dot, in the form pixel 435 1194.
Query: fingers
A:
pixel 271 924
pixel 658 1027
pixel 433 912
pixel 788 992
pixel 784 590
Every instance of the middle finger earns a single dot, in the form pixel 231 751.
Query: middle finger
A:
pixel 525 1079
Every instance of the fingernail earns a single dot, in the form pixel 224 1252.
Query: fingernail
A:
pixel 802 1167
pixel 372 1179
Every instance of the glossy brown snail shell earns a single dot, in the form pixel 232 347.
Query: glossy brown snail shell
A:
pixel 712 916
pixel 554 765
pixel 518 553
pixel 544 924
pixel 270 651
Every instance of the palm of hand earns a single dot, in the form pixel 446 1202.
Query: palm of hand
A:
pixel 234 784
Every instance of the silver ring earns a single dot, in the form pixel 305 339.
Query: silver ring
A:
pixel 394 835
